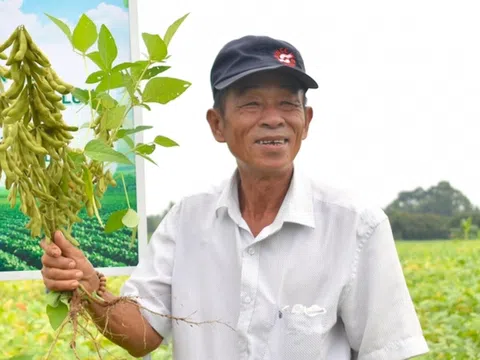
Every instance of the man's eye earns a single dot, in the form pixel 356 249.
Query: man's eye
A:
pixel 289 103
pixel 252 103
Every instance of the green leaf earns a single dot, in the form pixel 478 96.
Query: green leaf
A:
pixel 164 89
pixel 97 60
pixel 56 315
pixel 85 34
pixel 23 357
pixel 95 77
pixel 125 3
pixel 81 95
pixel 64 27
pixel 96 149
pixel 129 141
pixel 107 100
pixel 145 106
pixel 114 222
pixel 148 158
pixel 113 117
pixel 107 47
pixel 157 50
pixel 172 29
pixel 122 66
pixel 122 132
pixel 131 219
pixel 87 178
pixel 154 71
pixel 113 81
pixel 85 125
pixel 53 298
pixel 164 141
pixel 145 148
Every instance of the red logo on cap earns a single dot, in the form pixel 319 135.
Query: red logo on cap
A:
pixel 285 56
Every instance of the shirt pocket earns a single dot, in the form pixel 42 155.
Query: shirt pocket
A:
pixel 301 336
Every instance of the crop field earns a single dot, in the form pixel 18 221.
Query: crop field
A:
pixel 443 277
pixel 18 251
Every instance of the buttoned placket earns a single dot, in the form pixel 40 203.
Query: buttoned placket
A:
pixel 249 283
pixel 248 289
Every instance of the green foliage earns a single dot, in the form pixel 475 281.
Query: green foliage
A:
pixel 442 277
pixel 466 226
pixel 441 199
pixel 410 226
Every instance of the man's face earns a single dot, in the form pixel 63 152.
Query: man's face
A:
pixel 263 123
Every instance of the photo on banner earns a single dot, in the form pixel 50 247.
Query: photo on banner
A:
pixel 114 253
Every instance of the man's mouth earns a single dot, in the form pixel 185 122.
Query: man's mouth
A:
pixel 272 142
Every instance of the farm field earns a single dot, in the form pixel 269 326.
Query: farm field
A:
pixel 18 251
pixel 442 277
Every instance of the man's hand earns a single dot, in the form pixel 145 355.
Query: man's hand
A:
pixel 65 266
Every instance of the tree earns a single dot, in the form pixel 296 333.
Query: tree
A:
pixel 441 199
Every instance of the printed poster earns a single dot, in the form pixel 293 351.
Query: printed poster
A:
pixel 115 253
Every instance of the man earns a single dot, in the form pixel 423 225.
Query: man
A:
pixel 272 265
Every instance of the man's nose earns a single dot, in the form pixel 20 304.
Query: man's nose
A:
pixel 272 119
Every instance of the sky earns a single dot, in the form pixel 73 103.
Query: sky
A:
pixel 397 107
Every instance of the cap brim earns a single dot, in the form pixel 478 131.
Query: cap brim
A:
pixel 304 79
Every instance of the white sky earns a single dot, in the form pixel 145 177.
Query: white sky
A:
pixel 398 104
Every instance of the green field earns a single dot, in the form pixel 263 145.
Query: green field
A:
pixel 18 251
pixel 443 277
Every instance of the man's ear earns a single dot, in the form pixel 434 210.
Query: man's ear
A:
pixel 308 120
pixel 215 121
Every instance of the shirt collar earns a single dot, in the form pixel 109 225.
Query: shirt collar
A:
pixel 297 207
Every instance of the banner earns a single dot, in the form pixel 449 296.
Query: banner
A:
pixel 113 253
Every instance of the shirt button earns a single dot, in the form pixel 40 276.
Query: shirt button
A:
pixel 247 299
pixel 251 251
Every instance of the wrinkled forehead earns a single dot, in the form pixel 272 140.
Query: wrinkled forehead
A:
pixel 267 79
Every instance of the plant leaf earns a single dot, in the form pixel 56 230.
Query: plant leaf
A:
pixel 172 29
pixel 153 71
pixel 157 50
pixel 64 27
pixel 113 81
pixel 129 141
pixel 96 149
pixel 125 3
pixel 147 158
pixel 107 47
pixel 122 66
pixel 122 132
pixel 113 117
pixel 164 89
pixel 106 100
pixel 53 298
pixel 114 222
pixel 164 141
pixel 131 219
pixel 22 357
pixel 145 148
pixel 145 106
pixel 85 34
pixel 81 95
pixel 56 315
pixel 97 60
pixel 95 77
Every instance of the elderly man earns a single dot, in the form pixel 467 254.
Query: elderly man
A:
pixel 279 267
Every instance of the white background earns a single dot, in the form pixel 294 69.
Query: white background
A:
pixel 397 107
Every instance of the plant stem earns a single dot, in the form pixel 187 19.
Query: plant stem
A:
pixel 125 189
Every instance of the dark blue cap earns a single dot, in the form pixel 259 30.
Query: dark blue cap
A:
pixel 252 54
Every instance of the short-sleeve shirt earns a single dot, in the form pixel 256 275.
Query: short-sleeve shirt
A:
pixel 322 281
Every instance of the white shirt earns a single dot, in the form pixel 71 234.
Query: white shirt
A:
pixel 323 281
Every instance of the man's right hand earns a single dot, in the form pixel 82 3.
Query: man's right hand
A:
pixel 65 266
